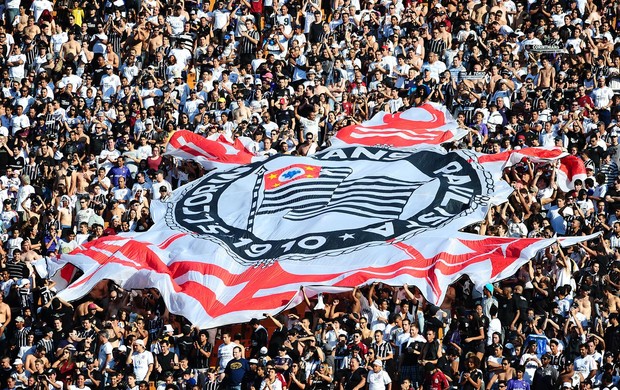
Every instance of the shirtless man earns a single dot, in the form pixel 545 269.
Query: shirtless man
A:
pixel 22 19
pixel 140 34
pixel 242 112
pixel 156 40
pixel 505 373
pixel 5 315
pixel 504 12
pixel 583 301
pixel 612 301
pixel 546 79
pixel 28 255
pixel 80 180
pixel 37 362
pixel 82 309
pixel 65 215
pixel 70 49
pixel 32 30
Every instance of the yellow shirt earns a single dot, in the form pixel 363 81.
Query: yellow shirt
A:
pixel 78 15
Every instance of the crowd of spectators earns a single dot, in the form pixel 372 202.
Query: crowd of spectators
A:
pixel 91 92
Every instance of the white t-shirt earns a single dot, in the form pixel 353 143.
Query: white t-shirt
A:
pixel 38 6
pixel 378 380
pixel 104 351
pixel 17 71
pixel 375 323
pixel 107 154
pixel 177 24
pixel 141 362
pixel 219 19
pixel 109 85
pixel 310 126
pixel 584 365
pixel 225 354
pixel 147 100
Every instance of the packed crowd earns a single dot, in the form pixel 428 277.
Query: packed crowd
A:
pixel 91 92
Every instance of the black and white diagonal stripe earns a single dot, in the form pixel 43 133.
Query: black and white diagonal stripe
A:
pixel 304 194
pixel 371 197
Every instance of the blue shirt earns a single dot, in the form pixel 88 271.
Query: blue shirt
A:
pixel 117 172
pixel 516 384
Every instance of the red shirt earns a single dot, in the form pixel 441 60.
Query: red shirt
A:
pixel 437 381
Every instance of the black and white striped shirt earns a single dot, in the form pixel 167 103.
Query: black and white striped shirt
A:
pixel 32 171
pixel 246 46
pixel 47 344
pixel 21 337
pixel 437 46
pixel 382 350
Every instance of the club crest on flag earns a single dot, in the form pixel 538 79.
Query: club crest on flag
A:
pixel 342 200
pixel 290 174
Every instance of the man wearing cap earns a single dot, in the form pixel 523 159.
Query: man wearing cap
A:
pixel 378 379
pixel 141 359
pixel 435 379
pixel 19 373
pixel 20 334
pixel 158 183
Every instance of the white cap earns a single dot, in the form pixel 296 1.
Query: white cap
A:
pixel 60 84
pixel 18 361
pixel 139 342
pixel 168 328
pixel 264 350
pixel 378 363
pixel 23 282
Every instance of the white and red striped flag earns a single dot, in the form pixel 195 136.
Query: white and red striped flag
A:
pixel 429 124
pixel 215 151
pixel 570 167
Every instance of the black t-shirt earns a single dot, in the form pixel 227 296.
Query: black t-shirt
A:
pixel 522 305
pixel 316 30
pixel 4 157
pixel 185 344
pixel 507 309
pixel 352 379
pixel 595 153
pixel 16 163
pixel 277 339
pixel 166 362
pixel 97 143
pixel 65 99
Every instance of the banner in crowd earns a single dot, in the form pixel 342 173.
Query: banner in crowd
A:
pixel 430 124
pixel 240 242
pixel 215 151
pixel 569 168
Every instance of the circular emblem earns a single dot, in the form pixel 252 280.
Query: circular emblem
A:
pixel 338 201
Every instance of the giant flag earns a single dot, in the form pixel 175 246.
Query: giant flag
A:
pixel 239 242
